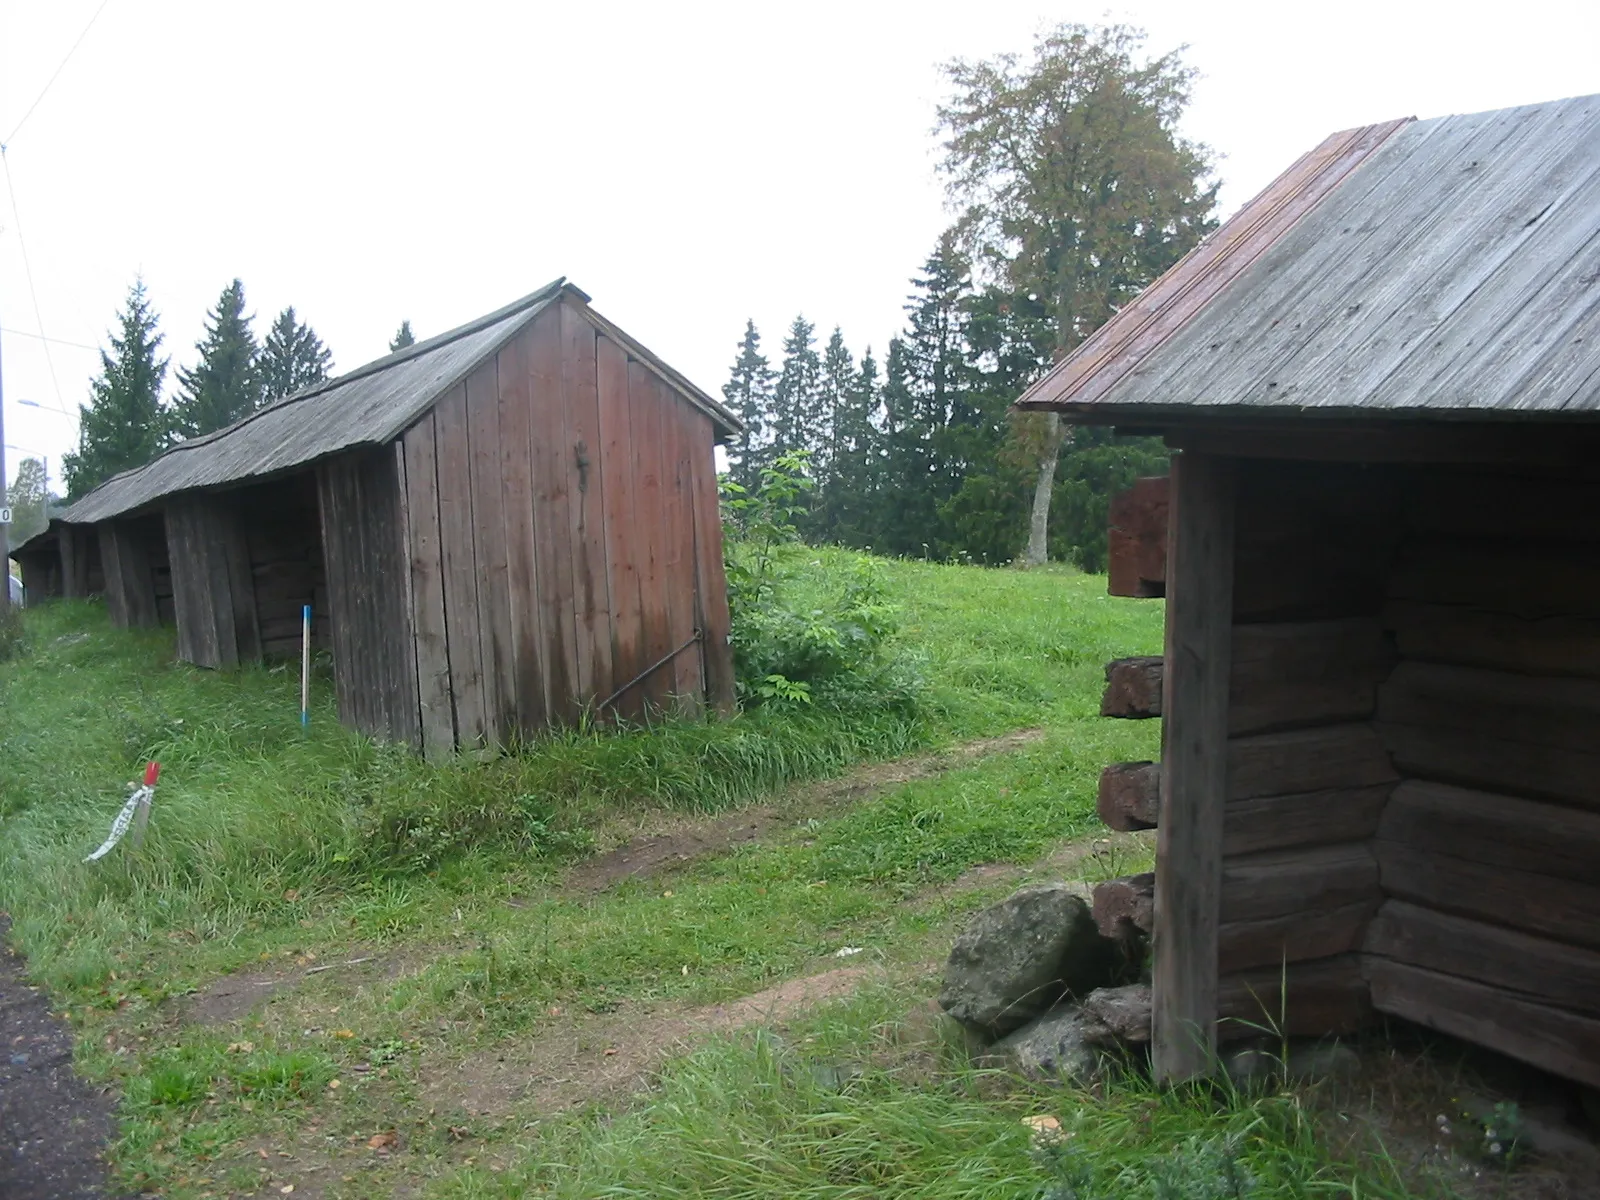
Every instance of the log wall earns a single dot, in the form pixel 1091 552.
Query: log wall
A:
pixel 1491 926
pixel 138 578
pixel 1413 804
pixel 563 541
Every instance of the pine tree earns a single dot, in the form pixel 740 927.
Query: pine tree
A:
pixel 849 508
pixel 225 384
pixel 292 358
pixel 748 393
pixel 835 383
pixel 121 426
pixel 402 338
pixel 797 398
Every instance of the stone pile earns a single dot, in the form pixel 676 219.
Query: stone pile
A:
pixel 1035 981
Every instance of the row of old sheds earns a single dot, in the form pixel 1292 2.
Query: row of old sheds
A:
pixel 511 525
pixel 1379 789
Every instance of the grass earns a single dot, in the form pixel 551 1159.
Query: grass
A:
pixel 272 849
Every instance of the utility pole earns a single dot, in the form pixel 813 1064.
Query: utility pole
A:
pixel 5 532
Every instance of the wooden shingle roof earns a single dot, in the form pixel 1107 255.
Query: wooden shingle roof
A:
pixel 369 406
pixel 1439 268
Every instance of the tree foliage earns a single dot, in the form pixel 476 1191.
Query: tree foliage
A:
pixel 29 497
pixel 1075 187
pixel 748 393
pixel 292 358
pixel 225 384
pixel 402 338
pixel 122 425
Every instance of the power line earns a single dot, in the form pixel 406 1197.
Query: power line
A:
pixel 27 269
pixel 39 337
pixel 51 81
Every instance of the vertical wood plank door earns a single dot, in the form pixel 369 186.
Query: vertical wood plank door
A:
pixel 213 593
pixel 1194 780
pixel 646 402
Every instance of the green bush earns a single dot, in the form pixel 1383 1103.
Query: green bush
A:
pixel 802 632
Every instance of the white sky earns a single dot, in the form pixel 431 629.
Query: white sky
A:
pixel 687 164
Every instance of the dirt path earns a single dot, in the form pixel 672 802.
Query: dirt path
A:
pixel 682 840
pixel 53 1125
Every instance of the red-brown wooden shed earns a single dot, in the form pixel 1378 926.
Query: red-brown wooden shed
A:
pixel 499 528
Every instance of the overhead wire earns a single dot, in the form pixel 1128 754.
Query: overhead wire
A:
pixel 55 74
pixel 27 270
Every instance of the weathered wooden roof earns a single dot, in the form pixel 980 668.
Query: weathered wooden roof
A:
pixel 369 406
pixel 1439 268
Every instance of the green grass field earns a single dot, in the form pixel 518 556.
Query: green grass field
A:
pixel 434 985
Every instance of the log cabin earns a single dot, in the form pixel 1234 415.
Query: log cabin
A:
pixel 1379 547
pixel 502 528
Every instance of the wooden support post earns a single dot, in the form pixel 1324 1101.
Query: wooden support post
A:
pixel 130 586
pixel 1194 776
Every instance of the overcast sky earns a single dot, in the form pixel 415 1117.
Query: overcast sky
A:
pixel 687 164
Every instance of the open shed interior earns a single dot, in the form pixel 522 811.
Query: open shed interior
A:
pixel 1413 804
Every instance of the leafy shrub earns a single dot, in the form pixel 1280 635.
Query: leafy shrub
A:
pixel 803 634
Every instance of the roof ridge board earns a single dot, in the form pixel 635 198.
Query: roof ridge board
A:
pixel 1312 168
pixel 1508 176
pixel 532 301
pixel 1430 137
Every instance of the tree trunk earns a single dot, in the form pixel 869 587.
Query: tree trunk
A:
pixel 1039 529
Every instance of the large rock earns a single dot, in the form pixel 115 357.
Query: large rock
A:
pixel 1017 959
pixel 1058 1045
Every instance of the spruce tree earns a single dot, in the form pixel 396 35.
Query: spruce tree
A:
pixel 121 426
pixel 292 358
pixel 224 384
pixel 835 382
pixel 797 420
pixel 402 338
pixel 748 394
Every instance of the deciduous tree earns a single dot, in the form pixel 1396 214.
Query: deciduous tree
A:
pixel 1076 188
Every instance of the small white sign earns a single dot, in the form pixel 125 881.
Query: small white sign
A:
pixel 5 516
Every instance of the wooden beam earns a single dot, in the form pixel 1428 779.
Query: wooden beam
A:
pixel 1525 444
pixel 1130 796
pixel 1194 777
pixel 1137 540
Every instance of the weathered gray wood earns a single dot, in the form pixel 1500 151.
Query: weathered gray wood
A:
pixel 1258 886
pixel 1478 760
pixel 1303 819
pixel 1545 839
pixel 1323 996
pixel 1295 936
pixel 1525 579
pixel 1543 970
pixel 490 552
pixel 1470 637
pixel 1562 909
pixel 1130 795
pixel 1195 768
pixel 1558 712
pixel 1552 1039
pixel 213 589
pixel 1307 760
pixel 523 575
pixel 130 584
pixel 436 709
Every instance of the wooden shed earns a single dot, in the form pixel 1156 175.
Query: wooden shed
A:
pixel 1380 772
pixel 499 529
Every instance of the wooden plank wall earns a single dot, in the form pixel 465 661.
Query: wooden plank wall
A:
pixel 375 674
pixel 213 594
pixel 563 538
pixel 1491 929
pixel 138 581
pixel 283 537
pixel 41 571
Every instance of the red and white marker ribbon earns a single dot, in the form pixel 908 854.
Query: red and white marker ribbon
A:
pixel 138 805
